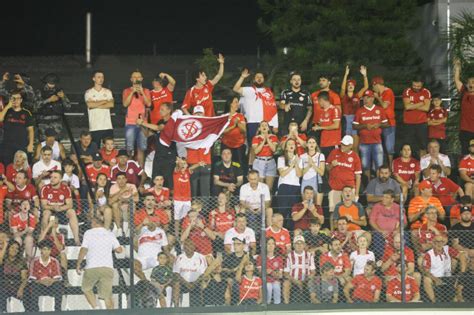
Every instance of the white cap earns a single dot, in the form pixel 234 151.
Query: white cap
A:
pixel 298 238
pixel 198 109
pixel 347 140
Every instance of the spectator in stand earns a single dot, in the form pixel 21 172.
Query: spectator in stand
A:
pixel 455 214
pixel 312 164
pixel 151 241
pixel 317 241
pixel 85 148
pixel 200 94
pixel 122 196
pixel 444 189
pixel 406 170
pixel 72 180
pixel 109 152
pixel 43 168
pixel 434 157
pixel 351 102
pixel 56 200
pixel 20 163
pixel 101 194
pixel 18 130
pixel 466 91
pixel 22 191
pixel 419 204
pixel 437 117
pixel 466 170
pixel 394 288
pixel 378 185
pixel 274 271
pixel 339 259
pixel 21 82
pixel 438 267
pixel 250 289
pixel 302 213
pixel 360 257
pixel 96 248
pixel 428 231
pixel 96 167
pixel 280 235
pixel 99 101
pixel 22 226
pixel 289 181
pixel 264 145
pixel 45 278
pixel 292 134
pixel 297 105
pixel 234 136
pixel 324 289
pixel 366 287
pixel 182 192
pixel 136 99
pixel 220 221
pixel 228 175
pixel 462 234
pixel 51 104
pixel 416 103
pixel 14 272
pixel 195 228
pixel 162 277
pixel 58 250
pixel 163 87
pixel 347 238
pixel 350 209
pixel 251 200
pixel 150 213
pixel 328 124
pixel 242 232
pixel 135 174
pixel 369 122
pixel 299 269
pixel 161 194
pixel 5 186
pixel 344 168
pixel 188 267
pixel 386 99
pixel 59 153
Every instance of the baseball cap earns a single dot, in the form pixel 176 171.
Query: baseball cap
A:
pixel 298 238
pixel 369 93
pixel 122 152
pixel 238 239
pixel 424 185
pixel 97 157
pixel 465 209
pixel 377 80
pixel 50 132
pixel 352 81
pixel 198 109
pixel 347 140
pixel 51 78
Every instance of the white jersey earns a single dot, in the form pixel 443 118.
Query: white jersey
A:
pixel 39 167
pixel 358 261
pixel 252 106
pixel 318 159
pixel 99 118
pixel 151 243
pixel 247 194
pixel 248 235
pixel 426 160
pixel 190 268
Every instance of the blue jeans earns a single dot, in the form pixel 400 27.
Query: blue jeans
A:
pixel 134 134
pixel 349 120
pixel 371 154
pixel 389 139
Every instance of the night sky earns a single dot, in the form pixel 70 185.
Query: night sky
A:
pixel 129 27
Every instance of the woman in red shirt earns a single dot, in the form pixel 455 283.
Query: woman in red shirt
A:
pixel 264 145
pixel 406 171
pixel 20 163
pixel 234 136
pixel 221 219
pixel 250 288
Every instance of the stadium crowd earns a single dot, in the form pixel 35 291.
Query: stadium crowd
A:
pixel 321 168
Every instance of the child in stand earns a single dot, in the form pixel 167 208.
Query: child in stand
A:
pixel 73 182
pixel 437 118
pixel 162 277
pixel 250 287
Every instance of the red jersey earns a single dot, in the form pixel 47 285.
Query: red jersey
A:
pixel 334 99
pixel 330 138
pixel 266 151
pixel 350 104
pixel 444 190
pixel 55 250
pixel 467 165
pixel 55 196
pixel 426 236
pixel 92 172
pixel 299 266
pixel 300 150
pixel 182 185
pixel 2 169
pixel 439 131
pixel 133 171
pixel 19 194
pixel 374 115
pixel 194 156
pixel 250 289
pixel 412 117
pixel 234 138
pixel 274 263
pixel 200 96
pixel 158 98
pixel 364 289
pixel 394 288
pixel 159 216
pixel 282 238
pixel 348 165
pixel 11 173
pixel 388 96
pixel 3 193
pixel 39 270
pixel 389 251
pixel 161 196
pixel 303 223
pixel 467 110
pixel 221 221
pixel 109 158
pixel 199 237
pixel 340 263
pixel 21 224
pixel 350 246
pixel 406 170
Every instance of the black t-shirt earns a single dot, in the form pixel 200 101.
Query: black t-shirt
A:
pixel 15 126
pixel 464 234
pixel 299 103
pixel 214 292
pixel 228 175
pixel 231 261
pixel 163 152
pixel 89 151
pixel 316 240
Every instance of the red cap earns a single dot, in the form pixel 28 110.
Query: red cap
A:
pixel 424 185
pixel 369 93
pixel 352 81
pixel 377 80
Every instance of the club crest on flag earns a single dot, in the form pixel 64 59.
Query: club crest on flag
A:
pixel 188 129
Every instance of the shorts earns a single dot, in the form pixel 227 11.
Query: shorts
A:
pixel 349 130
pixel 102 277
pixel 389 139
pixel 417 135
pixel 265 166
pixel 181 209
pixel 371 155
pixel 314 182
pixel 134 135
pixel 61 216
pixel 147 262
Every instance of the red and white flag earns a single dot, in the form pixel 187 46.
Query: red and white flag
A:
pixel 194 132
